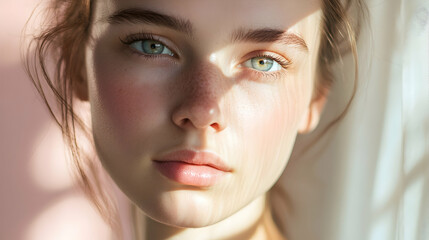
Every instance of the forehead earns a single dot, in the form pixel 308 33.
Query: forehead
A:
pixel 220 15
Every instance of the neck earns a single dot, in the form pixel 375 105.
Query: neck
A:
pixel 252 222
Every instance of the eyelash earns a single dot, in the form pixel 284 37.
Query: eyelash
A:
pixel 284 63
pixel 128 40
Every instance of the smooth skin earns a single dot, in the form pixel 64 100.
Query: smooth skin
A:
pixel 202 81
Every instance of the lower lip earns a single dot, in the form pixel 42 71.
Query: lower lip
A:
pixel 189 174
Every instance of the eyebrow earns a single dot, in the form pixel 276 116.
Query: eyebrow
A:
pixel 261 35
pixel 268 35
pixel 137 15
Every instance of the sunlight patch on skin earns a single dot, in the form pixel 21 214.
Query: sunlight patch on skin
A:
pixel 213 58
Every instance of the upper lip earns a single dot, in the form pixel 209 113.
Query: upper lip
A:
pixel 200 157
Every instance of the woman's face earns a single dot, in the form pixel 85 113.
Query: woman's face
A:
pixel 196 104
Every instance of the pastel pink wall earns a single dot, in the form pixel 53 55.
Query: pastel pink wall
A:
pixel 37 197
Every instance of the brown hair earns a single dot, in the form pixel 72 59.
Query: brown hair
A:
pixel 64 35
pixel 64 32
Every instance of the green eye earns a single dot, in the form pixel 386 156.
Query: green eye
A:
pixel 151 47
pixel 264 64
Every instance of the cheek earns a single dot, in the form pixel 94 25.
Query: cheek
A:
pixel 127 93
pixel 129 102
pixel 268 131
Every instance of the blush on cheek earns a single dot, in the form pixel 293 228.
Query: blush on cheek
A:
pixel 128 94
pixel 130 104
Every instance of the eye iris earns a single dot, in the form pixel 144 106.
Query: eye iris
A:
pixel 152 47
pixel 262 63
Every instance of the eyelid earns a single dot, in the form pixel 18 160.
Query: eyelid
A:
pixel 131 38
pixel 274 75
pixel 283 61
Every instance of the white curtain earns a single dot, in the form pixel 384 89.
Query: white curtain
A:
pixel 368 178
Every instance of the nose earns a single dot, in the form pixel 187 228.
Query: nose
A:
pixel 201 92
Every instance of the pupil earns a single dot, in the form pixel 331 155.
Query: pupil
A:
pixel 152 47
pixel 262 63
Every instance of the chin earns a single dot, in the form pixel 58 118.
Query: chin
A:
pixel 193 219
pixel 185 211
pixel 187 223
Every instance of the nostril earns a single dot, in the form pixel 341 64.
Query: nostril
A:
pixel 216 126
pixel 197 122
pixel 184 122
pixel 200 113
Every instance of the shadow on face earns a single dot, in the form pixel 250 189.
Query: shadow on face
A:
pixel 232 78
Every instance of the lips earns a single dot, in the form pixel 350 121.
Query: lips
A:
pixel 194 168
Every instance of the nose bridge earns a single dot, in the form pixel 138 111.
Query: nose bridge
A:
pixel 201 89
pixel 204 84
